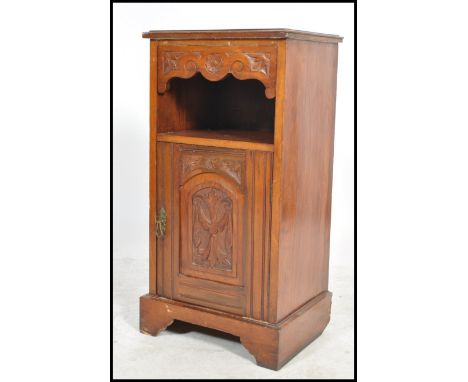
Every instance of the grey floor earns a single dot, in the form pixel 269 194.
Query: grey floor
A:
pixel 189 351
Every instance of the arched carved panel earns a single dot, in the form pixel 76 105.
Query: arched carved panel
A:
pixel 212 217
pixel 216 62
pixel 212 229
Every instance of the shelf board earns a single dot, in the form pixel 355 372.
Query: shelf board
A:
pixel 234 139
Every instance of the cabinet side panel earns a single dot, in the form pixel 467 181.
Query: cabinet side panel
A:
pixel 306 167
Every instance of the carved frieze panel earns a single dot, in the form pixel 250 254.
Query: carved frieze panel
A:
pixel 215 63
pixel 231 165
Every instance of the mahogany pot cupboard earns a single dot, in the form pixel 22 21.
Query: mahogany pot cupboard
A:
pixel 241 153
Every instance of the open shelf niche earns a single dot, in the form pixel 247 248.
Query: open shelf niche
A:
pixel 227 113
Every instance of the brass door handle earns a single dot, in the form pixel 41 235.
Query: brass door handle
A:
pixel 161 223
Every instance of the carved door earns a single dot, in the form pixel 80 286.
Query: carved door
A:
pixel 210 225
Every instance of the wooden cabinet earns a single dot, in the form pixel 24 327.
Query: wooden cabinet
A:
pixel 241 151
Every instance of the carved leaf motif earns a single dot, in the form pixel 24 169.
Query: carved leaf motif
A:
pixel 259 62
pixel 170 61
pixel 190 163
pixel 212 229
pixel 214 63
pixel 231 167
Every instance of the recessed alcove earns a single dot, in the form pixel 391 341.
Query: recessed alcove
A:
pixel 196 109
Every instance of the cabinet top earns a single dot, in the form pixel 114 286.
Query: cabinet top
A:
pixel 233 34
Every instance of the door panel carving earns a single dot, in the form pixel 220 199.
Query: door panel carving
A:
pixel 212 229
pixel 212 212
